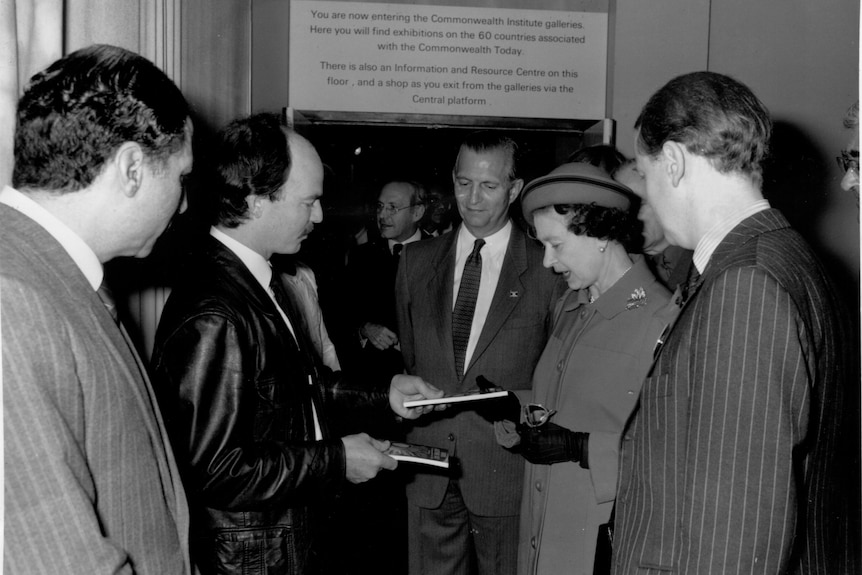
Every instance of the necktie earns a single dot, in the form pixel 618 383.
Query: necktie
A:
pixel 687 289
pixel 465 305
pixel 396 250
pixel 107 297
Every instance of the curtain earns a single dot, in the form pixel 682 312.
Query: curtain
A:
pixel 31 37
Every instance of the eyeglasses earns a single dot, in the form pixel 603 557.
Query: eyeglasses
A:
pixel 848 160
pixel 536 415
pixel 389 209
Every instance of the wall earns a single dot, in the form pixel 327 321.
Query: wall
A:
pixel 653 42
pixel 802 60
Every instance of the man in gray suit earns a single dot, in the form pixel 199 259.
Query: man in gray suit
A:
pixel 733 461
pixel 468 522
pixel 102 141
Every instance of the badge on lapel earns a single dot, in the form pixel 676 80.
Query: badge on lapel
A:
pixel 637 299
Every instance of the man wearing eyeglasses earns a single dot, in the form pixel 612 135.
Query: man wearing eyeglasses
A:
pixel 371 268
pixel 374 514
pixel 848 161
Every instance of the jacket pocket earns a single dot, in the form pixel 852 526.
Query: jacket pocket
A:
pixel 258 551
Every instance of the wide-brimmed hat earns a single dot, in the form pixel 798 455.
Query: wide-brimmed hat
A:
pixel 574 183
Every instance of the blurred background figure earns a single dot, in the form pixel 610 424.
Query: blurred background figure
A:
pixel 440 214
pixel 848 161
pixel 371 271
pixel 670 264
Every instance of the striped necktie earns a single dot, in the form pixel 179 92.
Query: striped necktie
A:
pixel 465 305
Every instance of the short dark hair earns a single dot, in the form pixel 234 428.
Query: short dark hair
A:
pixel 713 116
pixel 489 140
pixel 75 114
pixel 600 222
pixel 602 156
pixel 251 158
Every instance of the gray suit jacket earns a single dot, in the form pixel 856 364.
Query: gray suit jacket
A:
pixel 509 346
pixel 732 462
pixel 91 485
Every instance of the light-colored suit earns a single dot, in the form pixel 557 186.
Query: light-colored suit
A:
pixel 91 485
pixel 731 464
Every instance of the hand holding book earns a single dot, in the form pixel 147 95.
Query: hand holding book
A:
pixel 495 403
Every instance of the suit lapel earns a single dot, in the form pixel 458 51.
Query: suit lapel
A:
pixel 440 295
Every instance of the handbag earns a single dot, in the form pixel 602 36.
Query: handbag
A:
pixel 604 540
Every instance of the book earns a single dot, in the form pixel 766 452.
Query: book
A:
pixel 457 398
pixel 418 454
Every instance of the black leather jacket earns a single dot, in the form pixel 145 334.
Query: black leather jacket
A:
pixel 236 394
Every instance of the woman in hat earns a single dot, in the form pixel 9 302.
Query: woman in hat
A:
pixel 607 328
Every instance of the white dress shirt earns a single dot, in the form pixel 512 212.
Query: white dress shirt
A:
pixel 493 253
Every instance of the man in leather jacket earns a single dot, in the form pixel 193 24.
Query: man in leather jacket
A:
pixel 243 393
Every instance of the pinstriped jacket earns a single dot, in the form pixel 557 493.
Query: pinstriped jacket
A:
pixel 91 485
pixel 729 465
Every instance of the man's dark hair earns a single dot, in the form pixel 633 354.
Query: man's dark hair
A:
pixel 713 116
pixel 488 141
pixel 251 158
pixel 75 114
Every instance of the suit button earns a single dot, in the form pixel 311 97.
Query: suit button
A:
pixel 630 392
pixel 560 365
pixel 583 313
pixel 538 486
pixel 533 542
pixel 451 437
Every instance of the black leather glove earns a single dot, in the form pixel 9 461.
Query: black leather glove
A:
pixel 498 408
pixel 550 443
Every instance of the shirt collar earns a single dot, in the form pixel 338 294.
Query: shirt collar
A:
pixel 495 244
pixel 417 235
pixel 256 264
pixel 709 242
pixel 81 253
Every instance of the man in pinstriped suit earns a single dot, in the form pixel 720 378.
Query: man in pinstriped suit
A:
pixel 102 140
pixel 732 462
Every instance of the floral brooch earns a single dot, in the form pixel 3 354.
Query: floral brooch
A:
pixel 637 299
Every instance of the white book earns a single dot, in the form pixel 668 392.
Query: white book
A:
pixel 457 398
pixel 418 454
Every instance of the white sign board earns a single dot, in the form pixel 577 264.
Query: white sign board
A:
pixel 415 59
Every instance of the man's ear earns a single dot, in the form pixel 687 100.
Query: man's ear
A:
pixel 517 185
pixel 255 205
pixel 418 212
pixel 129 160
pixel 673 154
